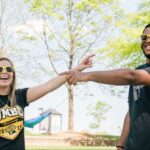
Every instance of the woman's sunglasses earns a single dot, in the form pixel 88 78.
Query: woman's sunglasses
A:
pixel 144 37
pixel 8 69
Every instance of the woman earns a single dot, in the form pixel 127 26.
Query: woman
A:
pixel 13 102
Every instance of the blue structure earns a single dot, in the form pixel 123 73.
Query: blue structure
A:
pixel 32 122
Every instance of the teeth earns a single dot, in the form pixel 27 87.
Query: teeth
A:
pixel 147 47
pixel 4 76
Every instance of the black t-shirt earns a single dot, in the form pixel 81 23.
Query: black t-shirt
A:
pixel 12 122
pixel 139 110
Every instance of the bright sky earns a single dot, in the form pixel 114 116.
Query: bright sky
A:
pixel 114 118
pixel 130 5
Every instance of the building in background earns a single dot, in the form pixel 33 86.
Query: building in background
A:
pixel 52 123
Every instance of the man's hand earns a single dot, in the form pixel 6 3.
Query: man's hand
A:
pixel 85 63
pixel 75 76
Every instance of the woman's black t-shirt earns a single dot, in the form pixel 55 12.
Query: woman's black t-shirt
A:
pixel 12 122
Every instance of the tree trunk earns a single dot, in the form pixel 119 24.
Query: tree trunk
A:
pixel 71 109
pixel 71 55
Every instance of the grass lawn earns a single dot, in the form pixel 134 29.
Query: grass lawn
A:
pixel 45 142
pixel 71 148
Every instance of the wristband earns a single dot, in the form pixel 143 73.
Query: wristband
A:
pixel 120 146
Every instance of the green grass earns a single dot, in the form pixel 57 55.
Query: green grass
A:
pixel 72 148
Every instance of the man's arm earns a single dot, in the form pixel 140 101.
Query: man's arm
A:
pixel 124 133
pixel 113 77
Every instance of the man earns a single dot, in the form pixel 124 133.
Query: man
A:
pixel 138 119
pixel 126 125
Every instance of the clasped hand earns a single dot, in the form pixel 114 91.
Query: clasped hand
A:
pixel 75 75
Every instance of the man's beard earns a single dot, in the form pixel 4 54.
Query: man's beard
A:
pixel 146 55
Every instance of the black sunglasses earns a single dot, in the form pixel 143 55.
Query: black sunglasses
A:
pixel 144 37
pixel 8 69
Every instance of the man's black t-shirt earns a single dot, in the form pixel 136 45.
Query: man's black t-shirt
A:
pixel 139 110
pixel 12 122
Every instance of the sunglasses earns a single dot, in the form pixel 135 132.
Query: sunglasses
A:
pixel 144 37
pixel 8 69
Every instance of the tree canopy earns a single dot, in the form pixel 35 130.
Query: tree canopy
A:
pixel 123 47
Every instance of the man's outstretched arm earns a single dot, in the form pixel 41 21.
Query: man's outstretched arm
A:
pixel 113 77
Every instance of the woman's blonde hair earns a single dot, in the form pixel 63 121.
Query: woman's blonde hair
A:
pixel 11 95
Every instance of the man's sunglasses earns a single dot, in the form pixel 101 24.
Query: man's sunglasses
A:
pixel 144 37
pixel 8 69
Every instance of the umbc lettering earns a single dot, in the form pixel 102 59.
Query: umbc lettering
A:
pixel 10 111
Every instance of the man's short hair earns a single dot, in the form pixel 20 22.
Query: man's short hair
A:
pixel 147 26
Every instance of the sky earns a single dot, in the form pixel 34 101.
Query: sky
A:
pixel 58 100
pixel 130 5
